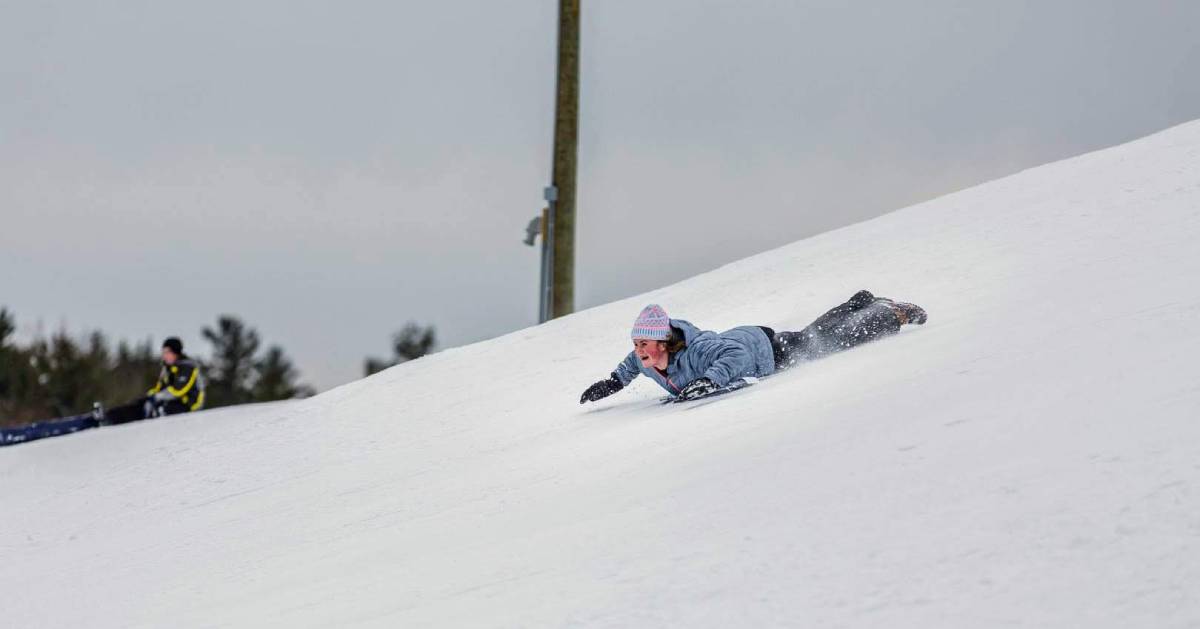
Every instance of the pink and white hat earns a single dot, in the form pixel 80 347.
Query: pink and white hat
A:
pixel 652 324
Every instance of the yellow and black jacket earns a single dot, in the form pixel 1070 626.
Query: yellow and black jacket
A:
pixel 180 382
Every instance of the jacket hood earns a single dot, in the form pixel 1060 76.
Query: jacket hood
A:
pixel 690 332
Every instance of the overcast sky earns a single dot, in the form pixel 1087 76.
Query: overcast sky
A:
pixel 330 170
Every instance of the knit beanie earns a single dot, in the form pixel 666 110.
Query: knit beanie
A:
pixel 174 344
pixel 652 324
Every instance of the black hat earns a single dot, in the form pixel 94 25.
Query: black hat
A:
pixel 175 344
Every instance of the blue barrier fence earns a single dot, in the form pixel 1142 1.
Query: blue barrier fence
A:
pixel 51 428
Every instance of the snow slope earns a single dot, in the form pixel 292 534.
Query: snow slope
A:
pixel 1031 457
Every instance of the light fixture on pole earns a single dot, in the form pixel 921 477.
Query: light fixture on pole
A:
pixel 544 225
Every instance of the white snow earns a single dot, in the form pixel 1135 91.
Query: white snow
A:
pixel 1030 457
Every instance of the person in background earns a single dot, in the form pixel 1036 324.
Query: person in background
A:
pixel 179 389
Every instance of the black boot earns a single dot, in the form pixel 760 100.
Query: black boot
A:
pixel 906 312
pixel 98 414
pixel 861 299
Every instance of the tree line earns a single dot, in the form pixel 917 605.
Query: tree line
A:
pixel 63 375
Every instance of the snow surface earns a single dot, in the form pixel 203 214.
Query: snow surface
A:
pixel 1031 457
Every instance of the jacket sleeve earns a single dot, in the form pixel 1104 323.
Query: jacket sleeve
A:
pixel 722 360
pixel 182 382
pixel 628 369
pixel 158 384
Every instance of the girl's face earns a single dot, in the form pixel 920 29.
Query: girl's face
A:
pixel 651 353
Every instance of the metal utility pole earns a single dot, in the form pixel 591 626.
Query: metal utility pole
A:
pixel 561 227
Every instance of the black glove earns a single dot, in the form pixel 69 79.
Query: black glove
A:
pixel 698 388
pixel 601 389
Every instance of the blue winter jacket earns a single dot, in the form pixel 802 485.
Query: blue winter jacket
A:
pixel 737 353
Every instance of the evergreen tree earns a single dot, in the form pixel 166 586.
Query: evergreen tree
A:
pixel 8 326
pixel 8 358
pixel 72 373
pixel 231 369
pixel 19 387
pixel 275 378
pixel 411 342
pixel 134 370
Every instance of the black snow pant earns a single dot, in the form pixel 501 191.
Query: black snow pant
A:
pixel 139 409
pixel 861 319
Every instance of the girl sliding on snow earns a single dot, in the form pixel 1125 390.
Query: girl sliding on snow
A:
pixel 690 363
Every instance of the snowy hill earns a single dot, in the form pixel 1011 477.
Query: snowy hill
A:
pixel 1031 457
